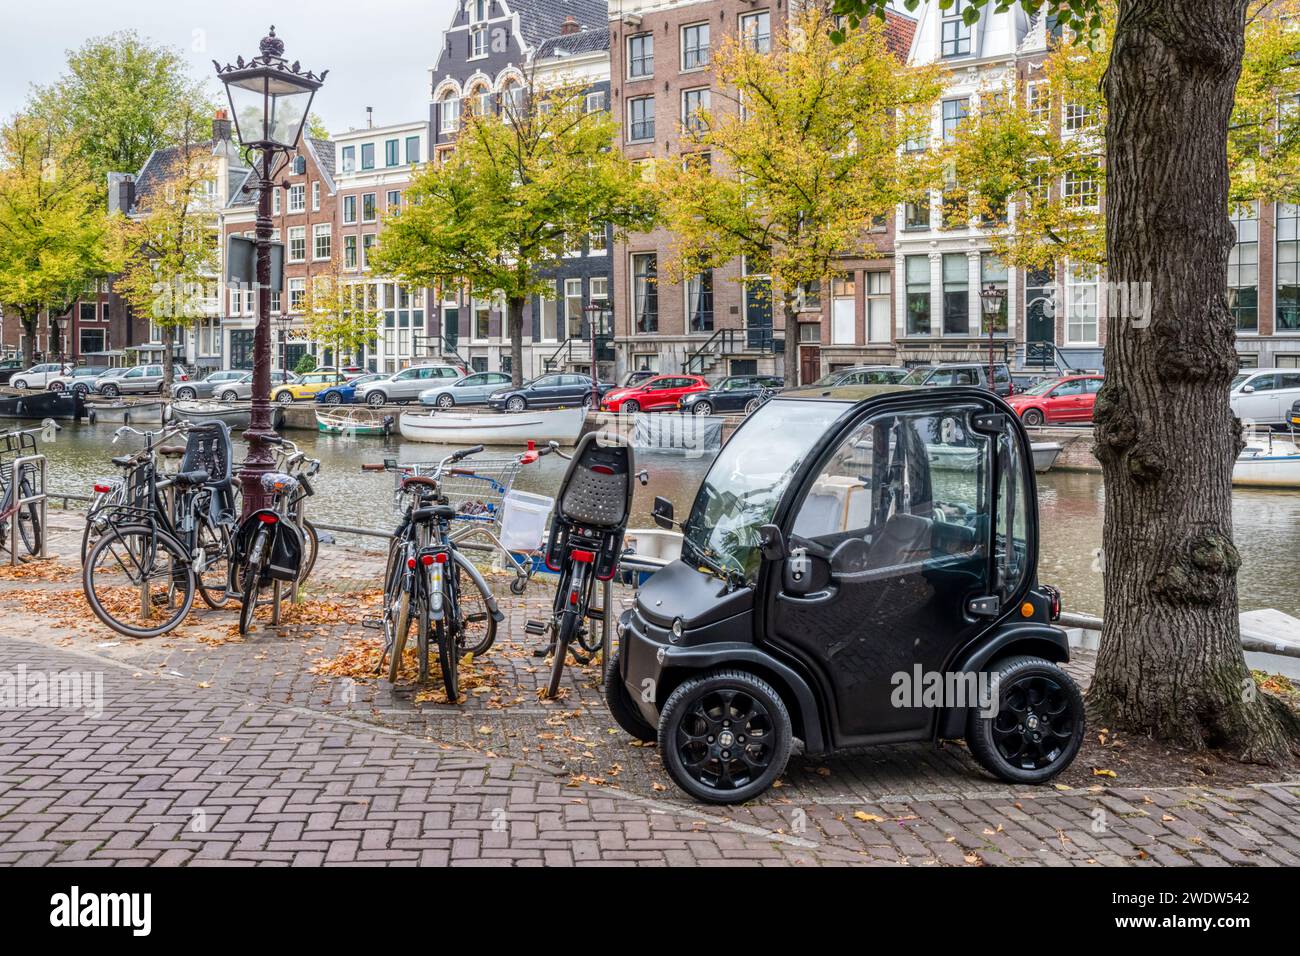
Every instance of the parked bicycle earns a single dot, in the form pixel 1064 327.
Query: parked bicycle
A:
pixel 169 536
pixel 428 580
pixel 291 461
pixel 19 481
pixel 585 541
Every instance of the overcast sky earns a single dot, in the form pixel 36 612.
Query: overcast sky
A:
pixel 378 52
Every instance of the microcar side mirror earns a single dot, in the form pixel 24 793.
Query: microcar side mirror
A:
pixel 663 513
pixel 771 543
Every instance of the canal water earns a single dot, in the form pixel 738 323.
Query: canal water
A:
pixel 1266 524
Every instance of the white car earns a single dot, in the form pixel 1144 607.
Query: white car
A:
pixel 81 380
pixel 1265 395
pixel 39 376
pixel 406 385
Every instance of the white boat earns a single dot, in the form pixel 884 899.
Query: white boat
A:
pixel 562 425
pixel 965 458
pixel 202 412
pixel 1045 453
pixel 1267 462
pixel 647 550
pixel 128 413
pixel 353 420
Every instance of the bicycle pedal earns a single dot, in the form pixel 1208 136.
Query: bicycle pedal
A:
pixel 374 623
pixel 596 613
pixel 535 627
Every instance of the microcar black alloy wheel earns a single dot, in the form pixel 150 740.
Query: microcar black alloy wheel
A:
pixel 724 737
pixel 1038 726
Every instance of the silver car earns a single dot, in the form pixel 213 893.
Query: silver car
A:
pixel 140 380
pixel 241 389
pixel 406 385
pixel 208 387
pixel 470 390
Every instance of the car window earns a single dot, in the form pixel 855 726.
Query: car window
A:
pixel 547 381
pixel 1000 374
pixel 1092 386
pixel 471 380
pixel 134 373
pixel 1263 383
pixel 498 378
pixel 1290 380
pixel 1068 388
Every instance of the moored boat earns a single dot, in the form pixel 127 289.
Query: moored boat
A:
pixel 1267 462
pixel 42 405
pixel 128 413
pixel 1045 453
pixel 353 420
pixel 562 425
pixel 203 412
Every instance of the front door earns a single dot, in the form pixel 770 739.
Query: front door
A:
pixel 810 363
pixel 1040 305
pixel 894 533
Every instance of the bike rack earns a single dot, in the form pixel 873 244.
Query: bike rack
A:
pixel 38 498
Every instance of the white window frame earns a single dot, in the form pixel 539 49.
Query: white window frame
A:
pixel 1076 296
pixel 322 230
pixel 298 198
pixel 315 196
pixel 297 290
pixel 296 234
pixel 702 52
pixel 761 42
pixel 449 113
pixel 597 244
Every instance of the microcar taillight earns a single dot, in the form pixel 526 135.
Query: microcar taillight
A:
pixel 1053 601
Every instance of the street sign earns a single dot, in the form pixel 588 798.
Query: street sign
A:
pixel 241 263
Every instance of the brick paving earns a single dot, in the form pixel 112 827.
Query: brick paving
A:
pixel 214 751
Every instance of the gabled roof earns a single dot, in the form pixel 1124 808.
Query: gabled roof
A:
pixel 541 20
pixel 585 41
pixel 155 168
pixel 900 30
pixel 323 151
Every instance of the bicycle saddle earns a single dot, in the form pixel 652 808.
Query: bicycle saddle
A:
pixel 278 481
pixel 433 511
pixel 418 480
pixel 123 461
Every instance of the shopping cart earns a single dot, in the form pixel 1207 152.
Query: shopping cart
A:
pixel 489 510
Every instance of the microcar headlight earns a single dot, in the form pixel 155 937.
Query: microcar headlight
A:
pixel 677 629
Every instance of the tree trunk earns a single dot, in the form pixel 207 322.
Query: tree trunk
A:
pixel 1171 663
pixel 168 333
pixel 791 340
pixel 29 346
pixel 515 330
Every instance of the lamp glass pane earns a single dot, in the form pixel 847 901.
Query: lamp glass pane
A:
pixel 247 107
pixel 288 111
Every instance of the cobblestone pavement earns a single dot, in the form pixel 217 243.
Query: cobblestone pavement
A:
pixel 211 749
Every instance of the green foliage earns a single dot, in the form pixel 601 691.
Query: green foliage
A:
pixel 121 98
pixel 316 128
pixel 1082 16
pixel 305 364
pixel 339 312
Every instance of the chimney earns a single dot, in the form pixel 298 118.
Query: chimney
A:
pixel 569 27
pixel 221 125
pixel 121 192
pixel 370 117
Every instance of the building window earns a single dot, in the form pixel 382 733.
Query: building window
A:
pixel 90 341
pixel 993 272
pixel 349 252
pixel 298 244
pixel 1080 190
pixel 297 293
pixel 478 11
pixel 390 152
pixel 321 241
pixel 367 155
pixel 1076 117
pixel 699 301
pixel 349 209
pixel 477 42
pixel 1288 267
pixel 412 150
pixel 955 35
pixel 368 207
pixel 449 113
pixel 87 312
pixel 482 315
pixel 756 30
pixel 695 46
pixel 599 291
pixel 594 102
pixel 844 318
pixel 695 103
pixel 546 308
pixel 1081 304
pixel 394 200
pixel 916 215
pixel 641 118
pixel 367 244
pixel 349 159
pixel 640 55
pixel 917 275
pixel 879 325
pixel 956 294
pixel 597 243
pixel 275 202
pixel 1038 100
pixel 1243 270
pixel 573 308
pixel 315 197
pixel 645 292
pixel 954 112
pixel 480 100
pixel 297 198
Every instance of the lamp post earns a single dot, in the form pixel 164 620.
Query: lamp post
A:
pixel 269 100
pixel 62 322
pixel 991 299
pixel 595 325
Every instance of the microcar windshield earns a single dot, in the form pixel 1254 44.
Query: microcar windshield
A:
pixel 748 478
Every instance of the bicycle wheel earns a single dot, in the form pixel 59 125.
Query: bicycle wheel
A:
pixel 29 519
pixel 568 624
pixel 310 545
pixel 138 581
pixel 214 579
pixel 476 629
pixel 447 660
pixel 401 623
pixel 248 594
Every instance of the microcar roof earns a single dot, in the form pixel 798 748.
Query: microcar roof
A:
pixel 844 393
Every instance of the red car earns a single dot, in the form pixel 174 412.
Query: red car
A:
pixel 1068 399
pixel 654 394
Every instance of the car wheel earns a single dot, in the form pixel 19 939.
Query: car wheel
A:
pixel 445 401
pixel 631 406
pixel 230 396
pixel 621 707
pixel 80 391
pixel 586 401
pixel 1032 416
pixel 375 399
pixel 724 737
pixel 1038 726
pixel 186 394
pixel 20 383
pixel 702 408
pixel 285 397
pixel 516 403
pixel 109 391
pixel 753 405
pixel 332 398
pixel 56 388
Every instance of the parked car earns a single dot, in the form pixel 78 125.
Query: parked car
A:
pixel 558 388
pixel 1058 400
pixel 206 387
pixel 309 385
pixel 1295 414
pixel 241 389
pixel 140 380
pixel 661 393
pixel 963 373
pixel 1265 395
pixel 406 385
pixel 9 368
pixel 108 375
pixel 78 381
pixel 1024 381
pixel 735 393
pixel 38 376
pixel 470 390
pixel 345 393
pixel 862 375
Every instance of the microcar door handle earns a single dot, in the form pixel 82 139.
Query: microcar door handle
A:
pixel 816 598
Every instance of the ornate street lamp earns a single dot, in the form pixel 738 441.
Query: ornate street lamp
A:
pixel 284 320
pixel 269 99
pixel 595 328
pixel 991 300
